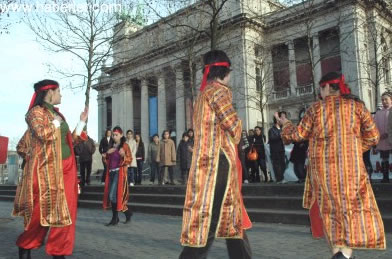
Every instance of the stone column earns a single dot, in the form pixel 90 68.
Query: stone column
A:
pixel 162 125
pixel 101 115
pixel 180 104
pixel 292 68
pixel 116 106
pixel 145 115
pixel 128 106
pixel 316 59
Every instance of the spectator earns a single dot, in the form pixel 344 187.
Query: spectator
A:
pixel 132 169
pixel 152 157
pixel 184 155
pixel 104 145
pixel 251 133
pixel 85 151
pixel 381 119
pixel 166 157
pixel 140 156
pixel 243 149
pixel 298 158
pixel 277 151
pixel 258 142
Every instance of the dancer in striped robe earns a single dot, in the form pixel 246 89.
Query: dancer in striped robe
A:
pixel 213 204
pixel 339 129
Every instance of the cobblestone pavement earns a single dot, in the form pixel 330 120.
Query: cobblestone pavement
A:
pixel 157 237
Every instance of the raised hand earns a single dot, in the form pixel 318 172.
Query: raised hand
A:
pixel 84 114
pixel 58 118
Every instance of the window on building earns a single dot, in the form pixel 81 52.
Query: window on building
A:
pixel 280 61
pixel 302 61
pixel 108 101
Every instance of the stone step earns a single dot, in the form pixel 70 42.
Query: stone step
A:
pixel 268 215
pixel 263 189
pixel 299 217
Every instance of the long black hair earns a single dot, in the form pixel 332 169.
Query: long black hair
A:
pixel 39 100
pixel 123 139
pixel 215 56
pixel 140 135
pixel 336 75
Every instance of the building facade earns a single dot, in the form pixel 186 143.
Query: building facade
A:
pixel 278 56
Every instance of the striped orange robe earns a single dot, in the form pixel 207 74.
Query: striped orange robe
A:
pixel 41 147
pixel 122 185
pixel 339 130
pixel 218 129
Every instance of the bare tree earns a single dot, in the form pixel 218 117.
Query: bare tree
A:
pixel 6 7
pixel 377 64
pixel 87 35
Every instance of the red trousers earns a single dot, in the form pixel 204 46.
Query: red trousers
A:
pixel 60 239
pixel 316 222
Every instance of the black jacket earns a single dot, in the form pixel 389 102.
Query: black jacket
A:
pixel 184 155
pixel 140 151
pixel 258 144
pixel 275 141
pixel 299 153
pixel 85 150
pixel 104 145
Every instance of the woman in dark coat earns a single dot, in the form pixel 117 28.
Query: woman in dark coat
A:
pixel 184 156
pixel 140 157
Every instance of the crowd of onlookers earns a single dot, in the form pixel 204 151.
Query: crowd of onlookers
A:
pixel 163 158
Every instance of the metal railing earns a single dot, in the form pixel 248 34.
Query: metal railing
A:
pixel 304 90
pixel 283 94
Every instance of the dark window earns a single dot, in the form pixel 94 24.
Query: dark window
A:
pixel 108 101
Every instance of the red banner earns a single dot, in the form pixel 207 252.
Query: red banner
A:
pixel 3 149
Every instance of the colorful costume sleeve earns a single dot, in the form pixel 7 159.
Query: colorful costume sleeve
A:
pixel 23 145
pixel 291 133
pixel 36 120
pixel 369 132
pixel 227 116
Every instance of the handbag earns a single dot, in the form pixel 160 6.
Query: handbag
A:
pixel 252 154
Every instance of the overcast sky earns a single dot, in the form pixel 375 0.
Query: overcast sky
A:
pixel 23 64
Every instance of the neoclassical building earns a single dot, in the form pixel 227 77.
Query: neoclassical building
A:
pixel 278 55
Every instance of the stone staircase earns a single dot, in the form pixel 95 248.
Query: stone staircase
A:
pixel 272 203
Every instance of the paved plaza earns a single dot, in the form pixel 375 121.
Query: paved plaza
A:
pixel 157 237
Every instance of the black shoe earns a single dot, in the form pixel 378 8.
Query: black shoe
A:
pixel 24 253
pixel 128 215
pixel 113 222
pixel 58 257
pixel 339 255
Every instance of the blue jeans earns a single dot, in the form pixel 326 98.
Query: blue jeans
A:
pixel 113 183
pixel 138 175
pixel 131 173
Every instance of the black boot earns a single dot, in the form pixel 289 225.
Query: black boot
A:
pixel 24 253
pixel 115 219
pixel 128 215
pixel 339 255
pixel 385 172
